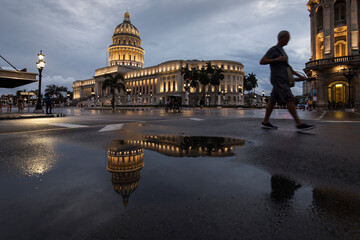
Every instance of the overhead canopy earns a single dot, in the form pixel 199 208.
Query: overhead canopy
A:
pixel 12 79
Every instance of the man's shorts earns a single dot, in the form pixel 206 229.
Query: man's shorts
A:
pixel 281 93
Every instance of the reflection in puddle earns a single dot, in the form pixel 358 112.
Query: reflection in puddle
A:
pixel 126 157
pixel 188 146
pixel 125 163
pixel 282 189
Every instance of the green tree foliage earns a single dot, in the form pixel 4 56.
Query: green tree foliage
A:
pixel 250 82
pixel 113 82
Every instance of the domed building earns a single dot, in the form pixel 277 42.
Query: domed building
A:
pixel 126 45
pixel 148 86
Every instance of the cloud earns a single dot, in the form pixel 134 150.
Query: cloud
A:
pixel 75 35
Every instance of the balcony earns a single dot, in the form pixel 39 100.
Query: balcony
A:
pixel 340 23
pixel 330 62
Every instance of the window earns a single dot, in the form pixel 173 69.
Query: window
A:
pixel 164 86
pixel 174 83
pixel 340 49
pixel 319 19
pixel 340 13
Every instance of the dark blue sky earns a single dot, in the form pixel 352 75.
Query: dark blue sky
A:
pixel 74 34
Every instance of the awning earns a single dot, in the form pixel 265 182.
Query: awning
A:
pixel 12 79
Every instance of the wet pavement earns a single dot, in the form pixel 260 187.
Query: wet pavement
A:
pixel 210 174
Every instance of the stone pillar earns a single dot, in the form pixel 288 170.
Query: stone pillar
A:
pixel 354 27
pixel 321 91
pixel 327 30
pixel 313 32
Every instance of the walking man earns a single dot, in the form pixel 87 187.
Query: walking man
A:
pixel 281 92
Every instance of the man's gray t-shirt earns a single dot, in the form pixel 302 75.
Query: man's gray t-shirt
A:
pixel 278 69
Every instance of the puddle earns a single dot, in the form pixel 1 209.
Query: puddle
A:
pixel 188 185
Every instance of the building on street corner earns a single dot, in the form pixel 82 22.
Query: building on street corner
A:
pixel 335 58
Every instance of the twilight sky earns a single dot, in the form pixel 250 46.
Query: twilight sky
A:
pixel 74 34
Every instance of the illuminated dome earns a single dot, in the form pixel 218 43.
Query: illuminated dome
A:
pixel 126 45
pixel 126 27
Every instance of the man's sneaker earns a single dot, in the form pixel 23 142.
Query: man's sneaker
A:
pixel 304 127
pixel 268 126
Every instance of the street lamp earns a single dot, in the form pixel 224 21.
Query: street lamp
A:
pixel 349 73
pixel 187 87
pixel 128 92
pixel 240 95
pixel 151 97
pixel 40 66
pixel 263 98
pixel 68 98
pixel 208 99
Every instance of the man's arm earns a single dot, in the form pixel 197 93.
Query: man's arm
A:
pixel 265 60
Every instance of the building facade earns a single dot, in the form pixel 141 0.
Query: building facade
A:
pixel 335 59
pixel 152 85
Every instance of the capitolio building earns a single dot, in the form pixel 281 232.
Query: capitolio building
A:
pixel 152 85
pixel 335 59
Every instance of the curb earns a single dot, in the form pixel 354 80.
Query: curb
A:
pixel 25 116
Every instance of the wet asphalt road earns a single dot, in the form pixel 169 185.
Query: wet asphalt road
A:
pixel 57 181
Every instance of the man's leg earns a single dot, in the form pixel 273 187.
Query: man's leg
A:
pixel 292 109
pixel 269 108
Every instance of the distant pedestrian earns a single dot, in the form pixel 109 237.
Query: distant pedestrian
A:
pixel 48 103
pixel 9 103
pixel 20 103
pixel 202 102
pixel 281 92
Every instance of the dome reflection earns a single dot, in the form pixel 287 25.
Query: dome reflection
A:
pixel 125 163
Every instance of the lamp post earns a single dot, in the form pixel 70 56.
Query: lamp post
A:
pixel 240 95
pixel 263 98
pixel 128 92
pixel 140 99
pixel 349 73
pixel 151 97
pixel 208 99
pixel 92 99
pixel 68 98
pixel 187 87
pixel 40 66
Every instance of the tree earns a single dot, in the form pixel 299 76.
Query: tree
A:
pixel 52 89
pixel 114 82
pixel 190 76
pixel 250 82
pixel 216 78
pixel 204 79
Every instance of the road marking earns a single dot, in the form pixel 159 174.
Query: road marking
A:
pixel 67 125
pixel 196 119
pixel 322 115
pixel 111 127
pixel 341 121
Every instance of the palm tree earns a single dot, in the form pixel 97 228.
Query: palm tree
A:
pixel 216 78
pixel 114 82
pixel 61 90
pixel 250 82
pixel 190 76
pixel 204 79
pixel 52 89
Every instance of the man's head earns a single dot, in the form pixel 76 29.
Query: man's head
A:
pixel 283 38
